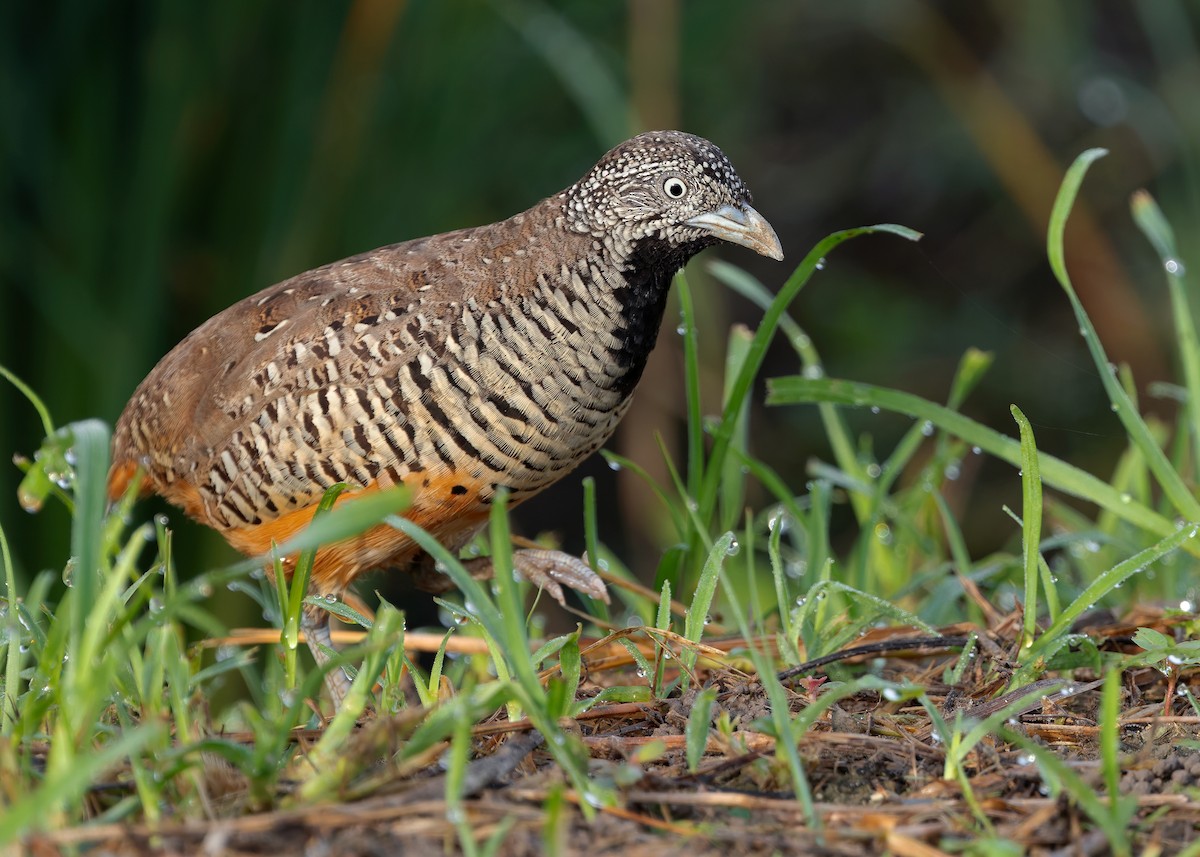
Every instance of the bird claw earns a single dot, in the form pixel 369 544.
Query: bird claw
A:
pixel 548 570
pixel 551 570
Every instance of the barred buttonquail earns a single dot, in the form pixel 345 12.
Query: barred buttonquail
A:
pixel 502 355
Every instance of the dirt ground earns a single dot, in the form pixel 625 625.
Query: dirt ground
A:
pixel 875 769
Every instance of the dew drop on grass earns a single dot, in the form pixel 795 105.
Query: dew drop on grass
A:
pixel 952 471
pixel 161 520
pixel 1126 498
pixel 1185 605
pixel 734 548
pixel 1174 266
pixel 874 470
pixel 613 464
pixel 975 450
pixel 813 371
pixel 821 264
pixel 1025 760
pixel 927 428
pixel 891 694
pixel 681 329
pixel 874 409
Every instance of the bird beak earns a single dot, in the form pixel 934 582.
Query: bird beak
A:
pixel 743 226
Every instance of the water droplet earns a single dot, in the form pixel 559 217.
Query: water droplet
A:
pixel 952 471
pixel 162 520
pixel 1115 408
pixel 874 470
pixel 1174 660
pixel 641 673
pixel 1174 266
pixel 1126 498
pixel 28 501
pixel 801 601
pixel 975 450
pixel 734 548
pixel 927 428
pixel 71 457
pixel 814 371
pixel 681 329
pixel 1026 759
pixel 891 694
pixel 1185 605
pixel 884 533
pixel 613 464
pixel 821 264
pixel 874 409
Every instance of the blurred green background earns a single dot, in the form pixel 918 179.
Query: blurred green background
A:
pixel 163 159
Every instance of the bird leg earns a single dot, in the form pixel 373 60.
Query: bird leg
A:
pixel 315 623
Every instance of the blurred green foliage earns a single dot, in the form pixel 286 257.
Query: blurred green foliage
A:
pixel 163 159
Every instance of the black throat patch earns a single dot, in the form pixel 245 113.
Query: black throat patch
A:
pixel 647 272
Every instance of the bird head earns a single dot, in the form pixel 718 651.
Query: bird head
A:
pixel 672 187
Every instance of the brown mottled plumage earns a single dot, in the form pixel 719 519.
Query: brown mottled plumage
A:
pixel 501 355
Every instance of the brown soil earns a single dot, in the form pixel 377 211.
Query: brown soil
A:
pixel 874 769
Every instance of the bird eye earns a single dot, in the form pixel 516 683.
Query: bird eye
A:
pixel 674 188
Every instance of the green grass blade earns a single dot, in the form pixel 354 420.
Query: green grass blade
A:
pixel 90 439
pixel 1056 473
pixel 64 787
pixel 1104 584
pixel 733 483
pixel 836 430
pixel 691 385
pixel 347 519
pixel 1149 218
pixel 740 388
pixel 38 405
pixel 1031 523
pixel 10 678
pixel 1173 486
pixel 696 730
pixel 706 587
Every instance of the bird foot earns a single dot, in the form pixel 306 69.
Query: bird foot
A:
pixel 549 570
